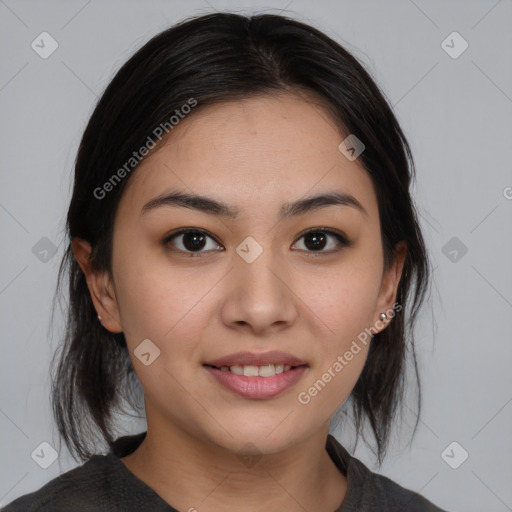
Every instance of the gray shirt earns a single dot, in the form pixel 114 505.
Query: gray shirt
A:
pixel 105 484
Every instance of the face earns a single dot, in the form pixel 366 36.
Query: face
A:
pixel 205 284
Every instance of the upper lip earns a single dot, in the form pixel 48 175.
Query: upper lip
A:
pixel 257 359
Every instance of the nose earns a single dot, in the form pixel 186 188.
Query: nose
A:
pixel 260 295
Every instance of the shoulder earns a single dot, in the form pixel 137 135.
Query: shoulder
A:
pixel 101 483
pixel 81 489
pixel 370 492
pixel 383 494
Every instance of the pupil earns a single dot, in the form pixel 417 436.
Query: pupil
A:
pixel 193 240
pixel 317 239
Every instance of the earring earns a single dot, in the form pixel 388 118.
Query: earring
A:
pixel 383 316
pixel 99 318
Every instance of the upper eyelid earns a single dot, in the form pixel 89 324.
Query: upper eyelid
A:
pixel 182 231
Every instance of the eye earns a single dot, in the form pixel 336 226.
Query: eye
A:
pixel 193 241
pixel 190 241
pixel 317 239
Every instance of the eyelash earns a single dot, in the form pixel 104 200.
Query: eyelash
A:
pixel 340 237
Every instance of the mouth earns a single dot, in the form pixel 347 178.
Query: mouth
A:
pixel 258 359
pixel 253 375
pixel 268 370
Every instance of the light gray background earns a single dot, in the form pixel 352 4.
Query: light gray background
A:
pixel 457 116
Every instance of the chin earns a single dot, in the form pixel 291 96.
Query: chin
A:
pixel 262 436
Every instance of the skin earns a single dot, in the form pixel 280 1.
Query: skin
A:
pixel 255 154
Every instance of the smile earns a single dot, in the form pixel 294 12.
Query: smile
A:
pixel 268 370
pixel 256 382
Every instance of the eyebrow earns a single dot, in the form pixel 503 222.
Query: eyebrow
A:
pixel 214 207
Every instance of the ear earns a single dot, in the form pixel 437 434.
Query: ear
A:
pixel 389 288
pixel 100 287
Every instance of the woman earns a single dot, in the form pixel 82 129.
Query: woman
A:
pixel 242 245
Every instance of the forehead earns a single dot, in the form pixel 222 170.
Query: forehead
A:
pixel 252 153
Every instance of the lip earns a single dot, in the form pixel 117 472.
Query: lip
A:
pixel 257 387
pixel 257 359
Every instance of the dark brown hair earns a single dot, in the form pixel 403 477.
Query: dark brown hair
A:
pixel 215 58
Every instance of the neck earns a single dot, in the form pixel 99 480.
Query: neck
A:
pixel 193 474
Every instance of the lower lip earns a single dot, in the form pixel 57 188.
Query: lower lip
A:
pixel 257 387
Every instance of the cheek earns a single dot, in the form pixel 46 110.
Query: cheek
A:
pixel 156 301
pixel 343 296
pixel 171 316
pixel 344 300
pixel 341 347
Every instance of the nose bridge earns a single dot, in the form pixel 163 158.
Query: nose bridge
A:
pixel 259 292
pixel 257 266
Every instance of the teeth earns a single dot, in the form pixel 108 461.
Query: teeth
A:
pixel 250 371
pixel 239 370
pixel 268 370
